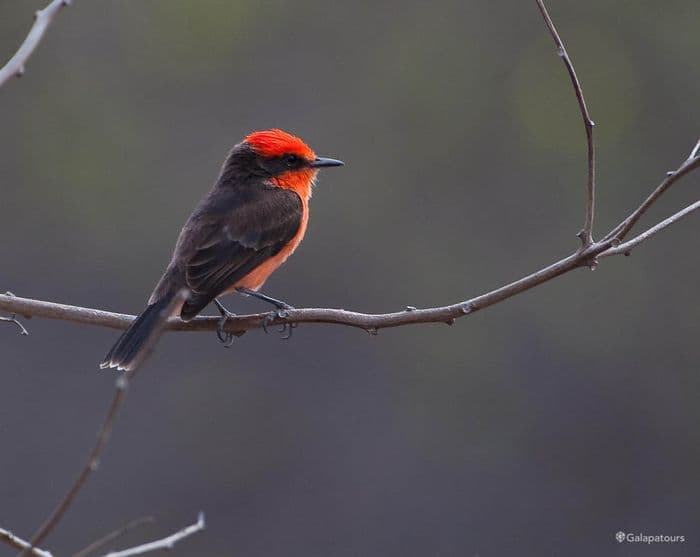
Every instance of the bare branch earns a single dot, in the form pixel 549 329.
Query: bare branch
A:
pixel 90 465
pixel 93 459
pixel 13 319
pixel 690 164
pixel 94 546
pixel 164 543
pixel 369 322
pixel 18 543
pixel 695 152
pixel 626 248
pixel 586 233
pixel 42 19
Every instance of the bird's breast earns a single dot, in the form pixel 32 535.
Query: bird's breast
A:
pixel 257 277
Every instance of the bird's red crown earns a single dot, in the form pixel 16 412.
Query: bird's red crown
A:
pixel 275 143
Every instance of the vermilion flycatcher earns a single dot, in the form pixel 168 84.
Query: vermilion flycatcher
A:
pixel 248 224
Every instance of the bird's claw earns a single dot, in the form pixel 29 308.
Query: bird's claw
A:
pixel 224 337
pixel 285 329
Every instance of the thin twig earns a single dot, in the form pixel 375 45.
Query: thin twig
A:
pixel 18 543
pixel 90 465
pixel 586 233
pixel 93 459
pixel 626 248
pixel 42 19
pixel 164 543
pixel 695 152
pixel 13 319
pixel 691 163
pixel 104 540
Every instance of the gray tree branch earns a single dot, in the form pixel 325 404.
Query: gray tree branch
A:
pixel 626 247
pixel 93 459
pixel 16 542
pixel 690 164
pixel 586 233
pixel 164 543
pixel 15 66
pixel 584 257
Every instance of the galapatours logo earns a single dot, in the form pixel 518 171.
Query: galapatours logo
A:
pixel 645 538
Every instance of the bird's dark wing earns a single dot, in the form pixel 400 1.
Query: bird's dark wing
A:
pixel 231 234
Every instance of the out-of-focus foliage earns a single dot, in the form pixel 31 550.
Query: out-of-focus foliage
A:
pixel 539 427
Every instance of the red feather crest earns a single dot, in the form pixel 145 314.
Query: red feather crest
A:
pixel 275 143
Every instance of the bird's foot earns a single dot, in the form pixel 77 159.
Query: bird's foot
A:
pixel 224 337
pixel 282 312
pixel 285 329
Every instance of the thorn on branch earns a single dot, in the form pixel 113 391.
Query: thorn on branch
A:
pixel 411 308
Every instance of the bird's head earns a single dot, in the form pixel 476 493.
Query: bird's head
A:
pixel 281 158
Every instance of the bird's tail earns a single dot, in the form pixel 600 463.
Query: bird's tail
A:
pixel 134 344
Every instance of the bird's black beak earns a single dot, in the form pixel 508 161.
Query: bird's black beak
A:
pixel 321 162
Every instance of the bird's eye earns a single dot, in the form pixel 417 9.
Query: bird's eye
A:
pixel 292 160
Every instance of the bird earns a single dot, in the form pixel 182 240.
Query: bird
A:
pixel 242 230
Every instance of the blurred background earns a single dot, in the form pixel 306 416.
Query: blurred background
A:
pixel 542 425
